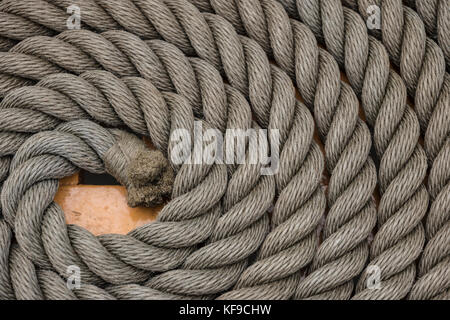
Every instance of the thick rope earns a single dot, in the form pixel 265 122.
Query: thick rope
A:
pixel 23 279
pixel 19 97
pixel 334 39
pixel 164 232
pixel 291 244
pixel 158 254
pixel 436 16
pixel 79 237
pixel 421 61
pixel 422 67
pixel 234 222
pixel 210 38
pixel 218 57
pixel 434 266
pixel 344 38
pixel 294 48
pixel 396 139
pixel 238 233
pixel 110 90
pixel 274 99
pixel 12 99
pixel 309 119
pixel 353 128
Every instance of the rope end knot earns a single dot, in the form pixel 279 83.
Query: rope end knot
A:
pixel 151 179
pixel 145 173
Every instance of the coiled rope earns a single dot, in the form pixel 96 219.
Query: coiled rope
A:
pixel 335 106
pixel 436 17
pixel 342 255
pixel 285 168
pixel 328 84
pixel 422 67
pixel 344 26
pixel 144 248
pixel 403 164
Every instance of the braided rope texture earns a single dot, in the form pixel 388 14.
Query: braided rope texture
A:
pixel 395 127
pixel 229 232
pixel 422 66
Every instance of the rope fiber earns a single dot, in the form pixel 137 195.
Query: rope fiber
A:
pixel 82 99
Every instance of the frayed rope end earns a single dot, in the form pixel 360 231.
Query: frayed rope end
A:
pixel 145 173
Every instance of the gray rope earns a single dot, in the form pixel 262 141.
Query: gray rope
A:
pixel 238 233
pixel 436 17
pixel 291 244
pixel 422 67
pixel 21 96
pixel 294 49
pixel 396 139
pixel 334 17
pixel 276 97
pixel 111 269
pixel 217 46
pixel 6 293
pixel 434 266
pixel 327 91
pixel 421 61
pixel 227 221
pixel 164 231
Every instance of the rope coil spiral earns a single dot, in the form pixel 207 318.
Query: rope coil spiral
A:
pixel 228 232
pixel 396 127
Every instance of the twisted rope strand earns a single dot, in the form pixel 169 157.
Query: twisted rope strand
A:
pixel 114 270
pixel 242 62
pixel 6 292
pixel 241 244
pixel 8 100
pixel 291 244
pixel 185 15
pixel 396 136
pixel 277 96
pixel 239 232
pixel 421 61
pixel 335 106
pixel 436 18
pixel 422 67
pixel 434 266
pixel 161 230
pixel 331 11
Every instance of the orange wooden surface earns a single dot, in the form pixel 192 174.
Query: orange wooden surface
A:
pixel 102 209
pixel 70 181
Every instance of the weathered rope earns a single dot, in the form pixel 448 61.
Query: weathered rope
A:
pixel 422 67
pixel 79 239
pixel 436 16
pixel 120 246
pixel 184 18
pixel 421 61
pixel 110 87
pixel 403 165
pixel 341 188
pixel 335 106
pixel 113 87
pixel 280 99
pixel 434 266
pixel 343 35
pixel 316 209
pixel 343 254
